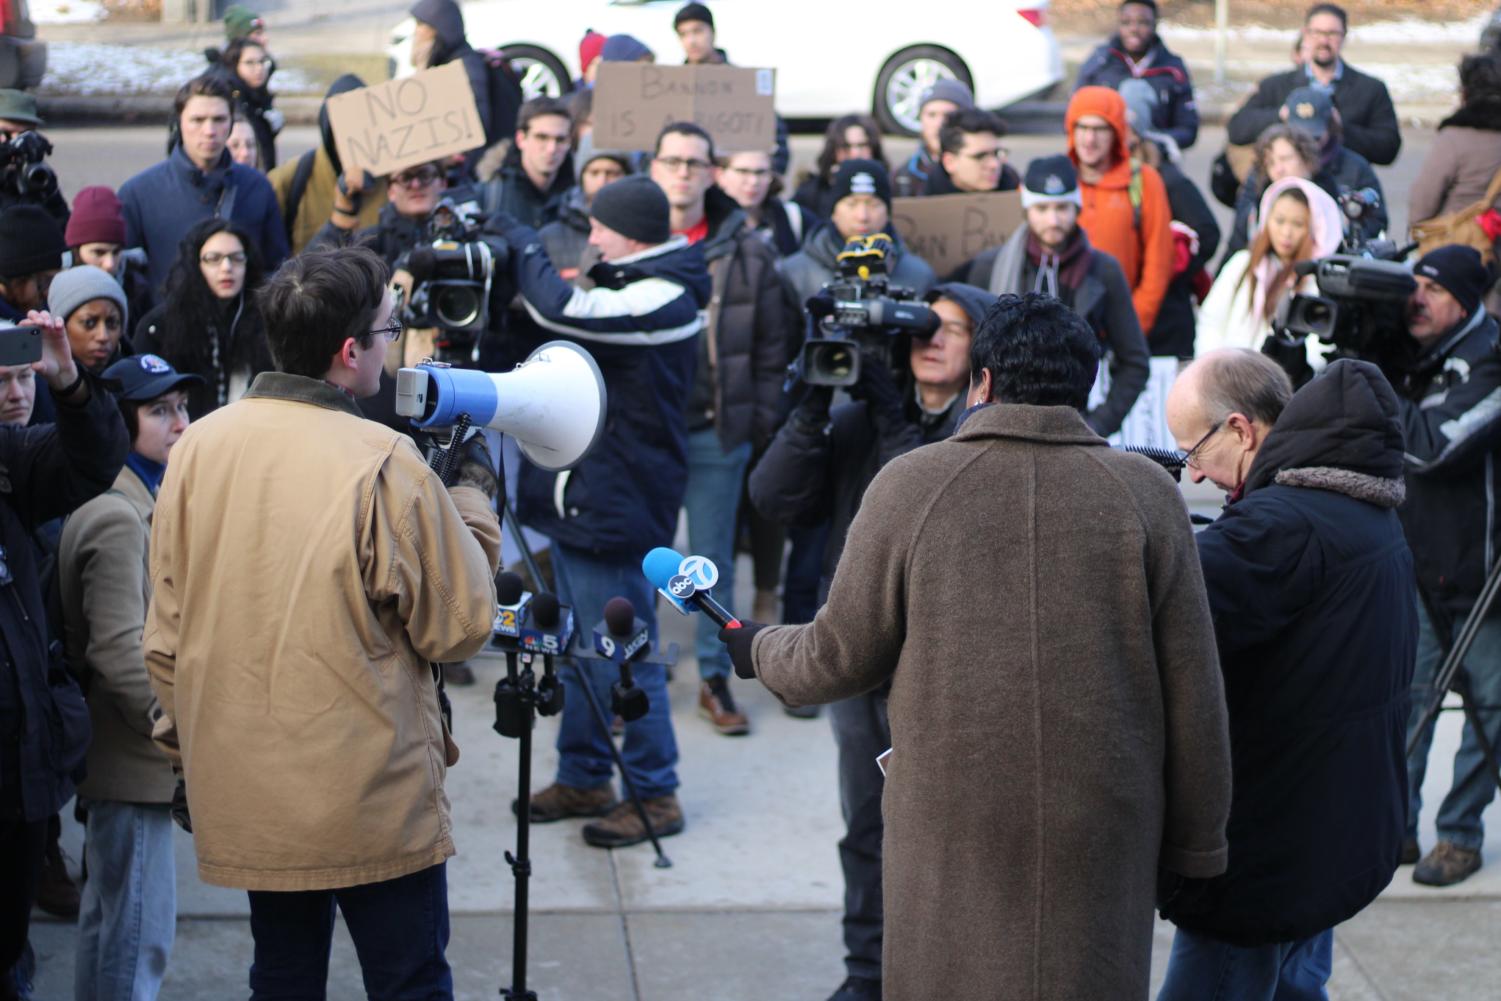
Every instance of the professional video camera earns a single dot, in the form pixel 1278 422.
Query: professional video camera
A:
pixel 858 313
pixel 1360 309
pixel 453 272
pixel 24 171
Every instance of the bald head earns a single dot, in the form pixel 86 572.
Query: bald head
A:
pixel 1221 408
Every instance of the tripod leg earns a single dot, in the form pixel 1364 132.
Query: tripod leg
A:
pixel 663 862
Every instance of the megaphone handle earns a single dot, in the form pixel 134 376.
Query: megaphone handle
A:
pixel 446 460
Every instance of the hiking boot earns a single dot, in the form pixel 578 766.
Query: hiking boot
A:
pixel 558 802
pixel 623 827
pixel 459 675
pixel 1410 852
pixel 717 705
pixel 55 892
pixel 1446 865
pixel 857 989
pixel 802 712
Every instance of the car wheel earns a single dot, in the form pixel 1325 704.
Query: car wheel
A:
pixel 904 79
pixel 542 73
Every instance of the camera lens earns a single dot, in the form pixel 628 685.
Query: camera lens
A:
pixel 457 305
pixel 837 363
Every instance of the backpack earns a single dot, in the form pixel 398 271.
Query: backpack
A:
pixel 300 178
pixel 1133 192
pixel 506 95
pixel 1462 226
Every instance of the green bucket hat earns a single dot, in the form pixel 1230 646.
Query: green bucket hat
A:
pixel 18 106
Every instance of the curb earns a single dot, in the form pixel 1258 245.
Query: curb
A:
pixel 135 109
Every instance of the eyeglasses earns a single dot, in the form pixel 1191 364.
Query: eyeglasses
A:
pixel 392 329
pixel 1096 129
pixel 1332 33
pixel 676 164
pixel 213 259
pixel 421 177
pixel 1191 457
pixel 980 156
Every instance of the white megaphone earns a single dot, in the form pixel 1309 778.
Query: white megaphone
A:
pixel 553 403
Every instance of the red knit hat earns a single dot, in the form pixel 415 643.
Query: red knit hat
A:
pixel 97 218
pixel 590 47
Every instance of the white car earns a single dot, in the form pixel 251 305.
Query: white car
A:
pixel 831 58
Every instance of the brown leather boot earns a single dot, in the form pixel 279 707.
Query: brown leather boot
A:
pixel 623 827
pixel 717 705
pixel 558 802
pixel 1446 865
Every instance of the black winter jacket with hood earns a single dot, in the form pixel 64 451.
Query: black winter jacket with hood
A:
pixel 1451 416
pixel 1310 587
pixel 1365 108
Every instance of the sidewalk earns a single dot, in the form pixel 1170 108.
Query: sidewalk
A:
pixel 750 907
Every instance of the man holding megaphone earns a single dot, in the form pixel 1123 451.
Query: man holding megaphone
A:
pixel 640 321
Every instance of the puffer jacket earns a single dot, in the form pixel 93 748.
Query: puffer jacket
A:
pixel 1310 587
pixel 1452 428
pixel 296 680
pixel 810 268
pixel 639 321
pixel 1176 113
pixel 752 326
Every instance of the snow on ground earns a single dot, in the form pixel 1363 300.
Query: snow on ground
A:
pixel 66 11
pixel 1406 31
pixel 93 68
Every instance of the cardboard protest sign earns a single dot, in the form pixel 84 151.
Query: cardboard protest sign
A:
pixel 947 230
pixel 633 101
pixel 401 123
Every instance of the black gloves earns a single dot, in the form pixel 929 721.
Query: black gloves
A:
pixel 877 387
pixel 738 643
pixel 813 409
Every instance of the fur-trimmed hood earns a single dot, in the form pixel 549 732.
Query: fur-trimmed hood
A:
pixel 1341 433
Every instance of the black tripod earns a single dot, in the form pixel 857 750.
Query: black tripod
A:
pixel 1451 675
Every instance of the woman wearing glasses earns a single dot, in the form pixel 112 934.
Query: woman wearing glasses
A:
pixel 247 66
pixel 208 324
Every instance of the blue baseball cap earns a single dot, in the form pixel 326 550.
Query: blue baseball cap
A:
pixel 145 377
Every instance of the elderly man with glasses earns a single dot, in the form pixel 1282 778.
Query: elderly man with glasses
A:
pixel 1309 580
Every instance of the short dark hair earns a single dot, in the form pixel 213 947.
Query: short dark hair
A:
pixel 1246 382
pixel 210 84
pixel 541 107
pixel 1329 8
pixel 1480 77
pixel 316 301
pixel 967 122
pixel 684 129
pixel 1037 351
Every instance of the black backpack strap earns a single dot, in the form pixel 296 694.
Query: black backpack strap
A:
pixel 300 178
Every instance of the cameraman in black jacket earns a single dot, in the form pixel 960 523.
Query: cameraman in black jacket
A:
pixel 1450 400
pixel 817 468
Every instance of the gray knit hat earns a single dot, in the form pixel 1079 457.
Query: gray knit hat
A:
pixel 949 90
pixel 85 283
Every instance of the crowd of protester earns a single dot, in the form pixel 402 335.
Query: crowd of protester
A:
pixel 703 254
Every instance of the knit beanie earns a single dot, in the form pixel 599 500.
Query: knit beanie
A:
pixel 1050 179
pixel 948 90
pixel 85 283
pixel 862 177
pixel 97 218
pixel 30 241
pixel 590 47
pixel 240 21
pixel 624 49
pixel 693 12
pixel 1460 271
pixel 636 208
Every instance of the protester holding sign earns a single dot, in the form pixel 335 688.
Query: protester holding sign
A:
pixel 694 25
pixel 1051 254
pixel 440 40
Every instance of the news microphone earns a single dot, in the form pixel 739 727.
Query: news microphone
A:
pixel 513 599
pixel 685 582
pixel 548 631
pixel 620 638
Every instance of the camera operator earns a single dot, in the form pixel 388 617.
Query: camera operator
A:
pixel 1308 578
pixel 862 206
pixel 1051 254
pixel 295 680
pixel 817 469
pixel 641 321
pixel 51 470
pixel 412 195
pixel 1034 599
pixel 1453 432
pixel 25 176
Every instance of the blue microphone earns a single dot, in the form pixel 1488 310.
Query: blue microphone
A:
pixel 685 581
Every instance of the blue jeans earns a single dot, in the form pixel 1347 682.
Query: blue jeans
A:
pixel 128 915
pixel 800 598
pixel 1474 783
pixel 1205 969
pixel 399 928
pixel 650 751
pixel 716 479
